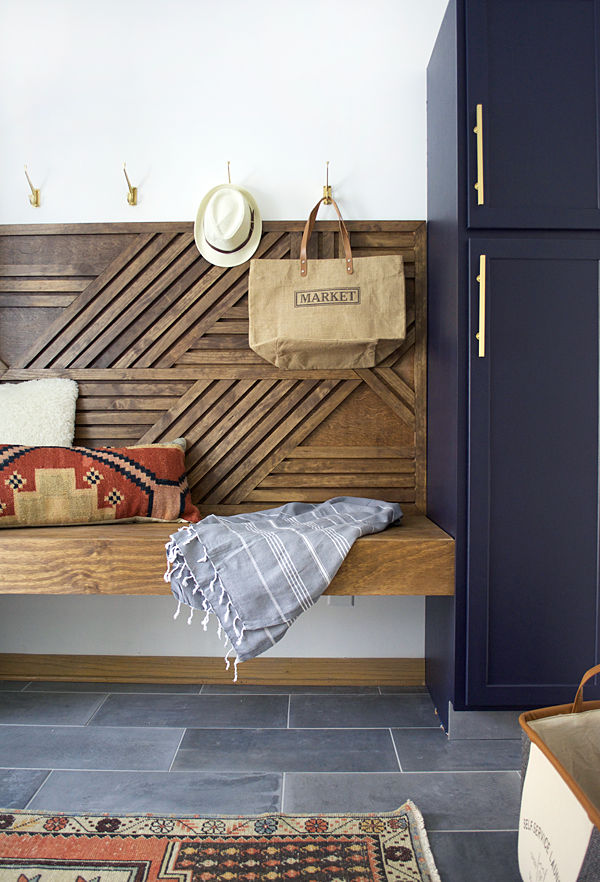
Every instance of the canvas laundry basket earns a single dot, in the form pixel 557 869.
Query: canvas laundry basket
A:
pixel 327 314
pixel 559 824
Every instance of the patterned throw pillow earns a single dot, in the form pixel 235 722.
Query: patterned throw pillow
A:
pixel 80 485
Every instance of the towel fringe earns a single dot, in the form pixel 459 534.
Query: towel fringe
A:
pixel 178 609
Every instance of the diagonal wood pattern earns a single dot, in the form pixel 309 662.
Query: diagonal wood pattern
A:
pixel 157 339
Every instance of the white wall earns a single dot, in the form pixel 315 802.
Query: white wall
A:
pixel 176 88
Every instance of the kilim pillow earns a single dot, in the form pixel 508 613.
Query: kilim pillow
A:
pixel 38 412
pixel 80 485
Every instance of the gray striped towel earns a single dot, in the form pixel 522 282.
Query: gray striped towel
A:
pixel 257 572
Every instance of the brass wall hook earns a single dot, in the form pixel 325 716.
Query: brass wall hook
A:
pixel 327 200
pixel 35 197
pixel 132 195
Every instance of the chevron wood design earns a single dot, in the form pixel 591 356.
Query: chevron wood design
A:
pixel 157 339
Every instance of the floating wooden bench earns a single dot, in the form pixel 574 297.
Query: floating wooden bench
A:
pixel 157 340
pixel 415 558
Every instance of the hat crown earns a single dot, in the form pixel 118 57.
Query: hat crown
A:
pixel 227 219
pixel 228 226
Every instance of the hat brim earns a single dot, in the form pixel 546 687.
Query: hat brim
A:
pixel 235 258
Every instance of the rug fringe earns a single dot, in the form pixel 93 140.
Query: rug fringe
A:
pixel 427 853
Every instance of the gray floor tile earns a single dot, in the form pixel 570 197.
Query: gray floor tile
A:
pixel 160 688
pixel 361 711
pixel 13 685
pixel 447 800
pixel 287 750
pixel 483 724
pixel 159 792
pixel 17 786
pixel 198 711
pixel 430 750
pixel 403 690
pixel 74 747
pixel 48 709
pixel 476 857
pixel 289 690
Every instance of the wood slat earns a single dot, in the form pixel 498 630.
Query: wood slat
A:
pixel 130 405
pixel 52 341
pixel 378 479
pixel 36 300
pixel 30 270
pixel 340 466
pixel 279 496
pixel 134 317
pixel 310 452
pixel 39 286
pixel 397 385
pixel 211 442
pixel 229 327
pixel 307 418
pixel 165 422
pixel 390 399
pixel 220 356
pixel 119 311
pixel 278 245
pixel 139 418
pixel 253 446
pixel 264 371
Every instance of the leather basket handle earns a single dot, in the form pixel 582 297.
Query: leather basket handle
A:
pixel 578 703
pixel 307 234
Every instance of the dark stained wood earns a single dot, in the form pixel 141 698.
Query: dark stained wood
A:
pixel 157 339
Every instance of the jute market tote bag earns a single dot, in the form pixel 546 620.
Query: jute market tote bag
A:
pixel 559 825
pixel 327 314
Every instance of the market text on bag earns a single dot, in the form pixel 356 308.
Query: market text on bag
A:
pixel 319 297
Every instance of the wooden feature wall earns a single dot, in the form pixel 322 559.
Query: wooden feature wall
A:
pixel 157 339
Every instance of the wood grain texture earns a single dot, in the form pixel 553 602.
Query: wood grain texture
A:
pixel 415 558
pixel 390 672
pixel 157 339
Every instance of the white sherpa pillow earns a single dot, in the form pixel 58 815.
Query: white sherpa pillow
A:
pixel 38 413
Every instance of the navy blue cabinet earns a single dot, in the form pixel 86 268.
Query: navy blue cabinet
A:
pixel 513 433
pixel 533 71
pixel 532 520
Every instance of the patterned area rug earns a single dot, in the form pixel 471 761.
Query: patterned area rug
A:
pixel 47 847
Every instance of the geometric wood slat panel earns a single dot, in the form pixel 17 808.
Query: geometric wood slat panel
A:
pixel 157 339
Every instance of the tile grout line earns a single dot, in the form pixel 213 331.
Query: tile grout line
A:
pixel 39 788
pixel 102 703
pixel 281 808
pixel 177 750
pixel 395 750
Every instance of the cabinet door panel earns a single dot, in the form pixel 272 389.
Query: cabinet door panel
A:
pixel 532 592
pixel 532 65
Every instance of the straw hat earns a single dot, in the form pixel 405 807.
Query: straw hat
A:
pixel 228 226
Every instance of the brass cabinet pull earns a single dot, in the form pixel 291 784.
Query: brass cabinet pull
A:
pixel 479 132
pixel 481 279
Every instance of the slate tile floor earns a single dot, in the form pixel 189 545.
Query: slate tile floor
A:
pixel 234 750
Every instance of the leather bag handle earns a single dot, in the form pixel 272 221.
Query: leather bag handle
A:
pixel 307 234
pixel 578 703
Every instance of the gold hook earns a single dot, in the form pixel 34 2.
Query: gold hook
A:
pixel 132 195
pixel 228 174
pixel 35 197
pixel 327 200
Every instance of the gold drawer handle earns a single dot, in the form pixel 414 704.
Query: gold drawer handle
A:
pixel 479 132
pixel 481 279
